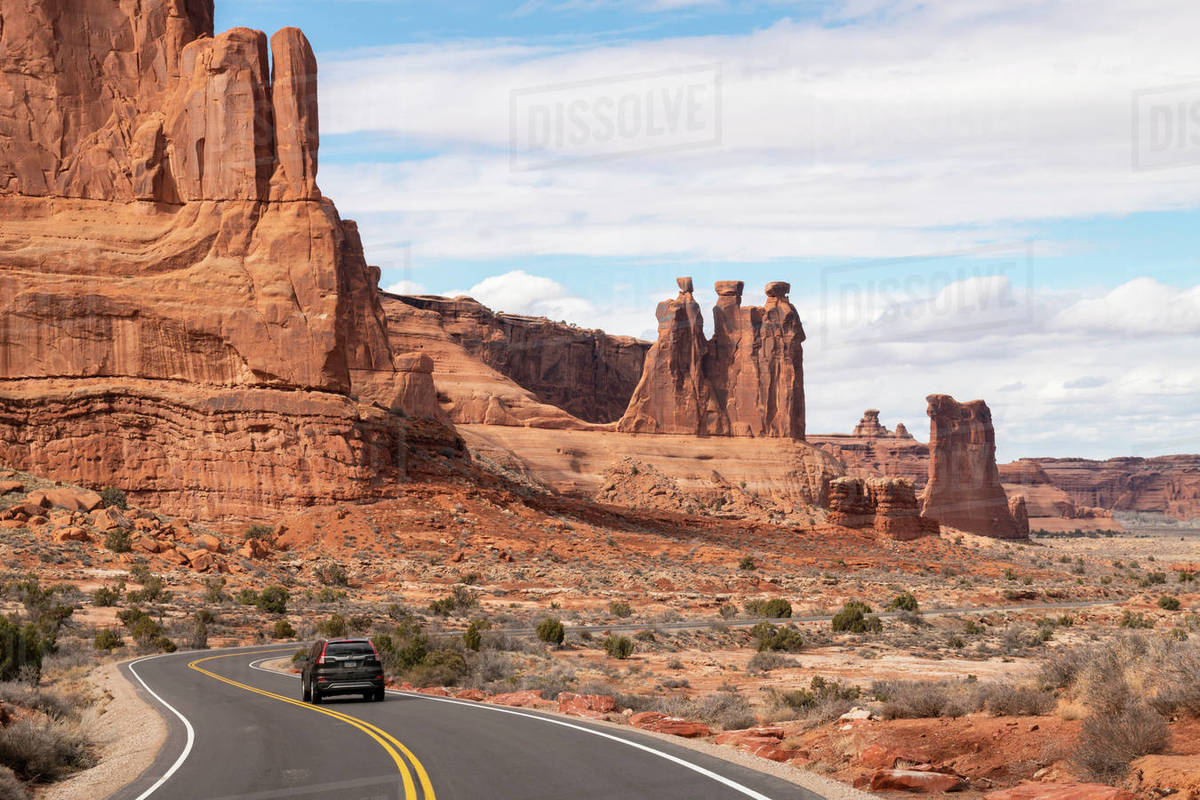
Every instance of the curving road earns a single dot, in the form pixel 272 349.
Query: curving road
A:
pixel 238 731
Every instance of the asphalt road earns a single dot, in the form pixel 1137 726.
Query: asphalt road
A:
pixel 237 731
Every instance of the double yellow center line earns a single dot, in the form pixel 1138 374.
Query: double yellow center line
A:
pixel 389 743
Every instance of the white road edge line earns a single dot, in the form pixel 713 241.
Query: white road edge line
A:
pixel 191 734
pixel 732 784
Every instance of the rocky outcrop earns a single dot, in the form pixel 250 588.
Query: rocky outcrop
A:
pixel 1164 484
pixel 964 489
pixel 747 381
pixel 585 373
pixel 873 451
pixel 162 227
pixel 887 505
pixel 1019 514
pixel 674 395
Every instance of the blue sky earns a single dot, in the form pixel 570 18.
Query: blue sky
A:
pixel 963 154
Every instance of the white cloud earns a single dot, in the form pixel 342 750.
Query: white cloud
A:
pixel 1142 306
pixel 918 128
pixel 406 287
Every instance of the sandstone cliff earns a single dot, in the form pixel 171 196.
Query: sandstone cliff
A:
pixel 160 225
pixel 586 373
pixel 747 381
pixel 874 451
pixel 964 489
pixel 1164 484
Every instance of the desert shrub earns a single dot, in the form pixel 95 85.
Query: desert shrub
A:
pixel 621 609
pixel 261 532
pixel 1006 700
pixel 777 637
pixel 438 668
pixel 618 646
pixel 726 710
pixel 747 563
pixel 775 608
pixel 728 611
pixel 403 648
pixel 108 639
pixel 11 787
pixel 460 599
pixel 473 636
pixel 21 650
pixel 44 749
pixel 551 630
pixel 1168 603
pixel 856 617
pixel 283 630
pixel 766 661
pixel 359 623
pixel 198 630
pixel 118 540
pixel 1109 741
pixel 331 573
pixel 153 588
pixel 328 595
pixel 917 699
pixel 273 599
pixel 332 627
pixel 106 596
pixel 903 602
pixel 248 597
pixel 113 497
pixel 214 590
pixel 1134 619
pixel 824 701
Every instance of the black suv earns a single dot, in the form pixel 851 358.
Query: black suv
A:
pixel 342 666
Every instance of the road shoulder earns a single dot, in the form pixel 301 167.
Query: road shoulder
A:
pixel 129 731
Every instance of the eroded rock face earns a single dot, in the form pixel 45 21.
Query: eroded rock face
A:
pixel 585 373
pixel 747 381
pixel 887 505
pixel 674 394
pixel 1165 484
pixel 964 489
pixel 869 425
pixel 145 238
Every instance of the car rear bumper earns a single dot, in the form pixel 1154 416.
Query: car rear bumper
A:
pixel 357 686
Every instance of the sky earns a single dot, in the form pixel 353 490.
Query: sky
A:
pixel 992 199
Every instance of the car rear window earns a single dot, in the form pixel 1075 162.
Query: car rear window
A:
pixel 349 649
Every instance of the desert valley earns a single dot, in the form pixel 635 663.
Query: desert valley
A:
pixel 217 430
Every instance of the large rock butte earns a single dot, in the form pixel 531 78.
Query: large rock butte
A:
pixel 747 381
pixel 170 272
pixel 964 489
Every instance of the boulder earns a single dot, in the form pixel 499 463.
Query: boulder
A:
pixel 475 695
pixel 209 542
pixel 72 535
pixel 597 706
pixel 964 489
pixel 1061 791
pixel 523 699
pixel 7 487
pixel 436 691
pixel 914 780
pixel 109 519
pixel 254 548
pixel 70 499
pixel 662 723
pixel 881 756
pixel 201 560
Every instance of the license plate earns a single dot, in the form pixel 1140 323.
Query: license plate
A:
pixel 352 665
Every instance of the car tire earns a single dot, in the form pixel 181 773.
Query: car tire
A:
pixel 306 694
pixel 380 695
pixel 316 696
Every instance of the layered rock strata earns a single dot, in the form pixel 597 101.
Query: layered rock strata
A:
pixel 887 505
pixel 747 381
pixel 161 226
pixel 1164 484
pixel 964 489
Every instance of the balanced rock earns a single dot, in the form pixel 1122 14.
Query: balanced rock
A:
pixel 964 489
pixel 869 425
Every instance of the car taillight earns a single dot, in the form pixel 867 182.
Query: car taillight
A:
pixel 321 658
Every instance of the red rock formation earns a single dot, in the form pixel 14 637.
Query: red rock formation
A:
pixel 748 381
pixel 586 373
pixel 1019 514
pixel 149 262
pixel 674 394
pixel 873 451
pixel 964 488
pixel 1164 484
pixel 888 505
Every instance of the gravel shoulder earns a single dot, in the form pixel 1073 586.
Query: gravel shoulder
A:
pixel 128 731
